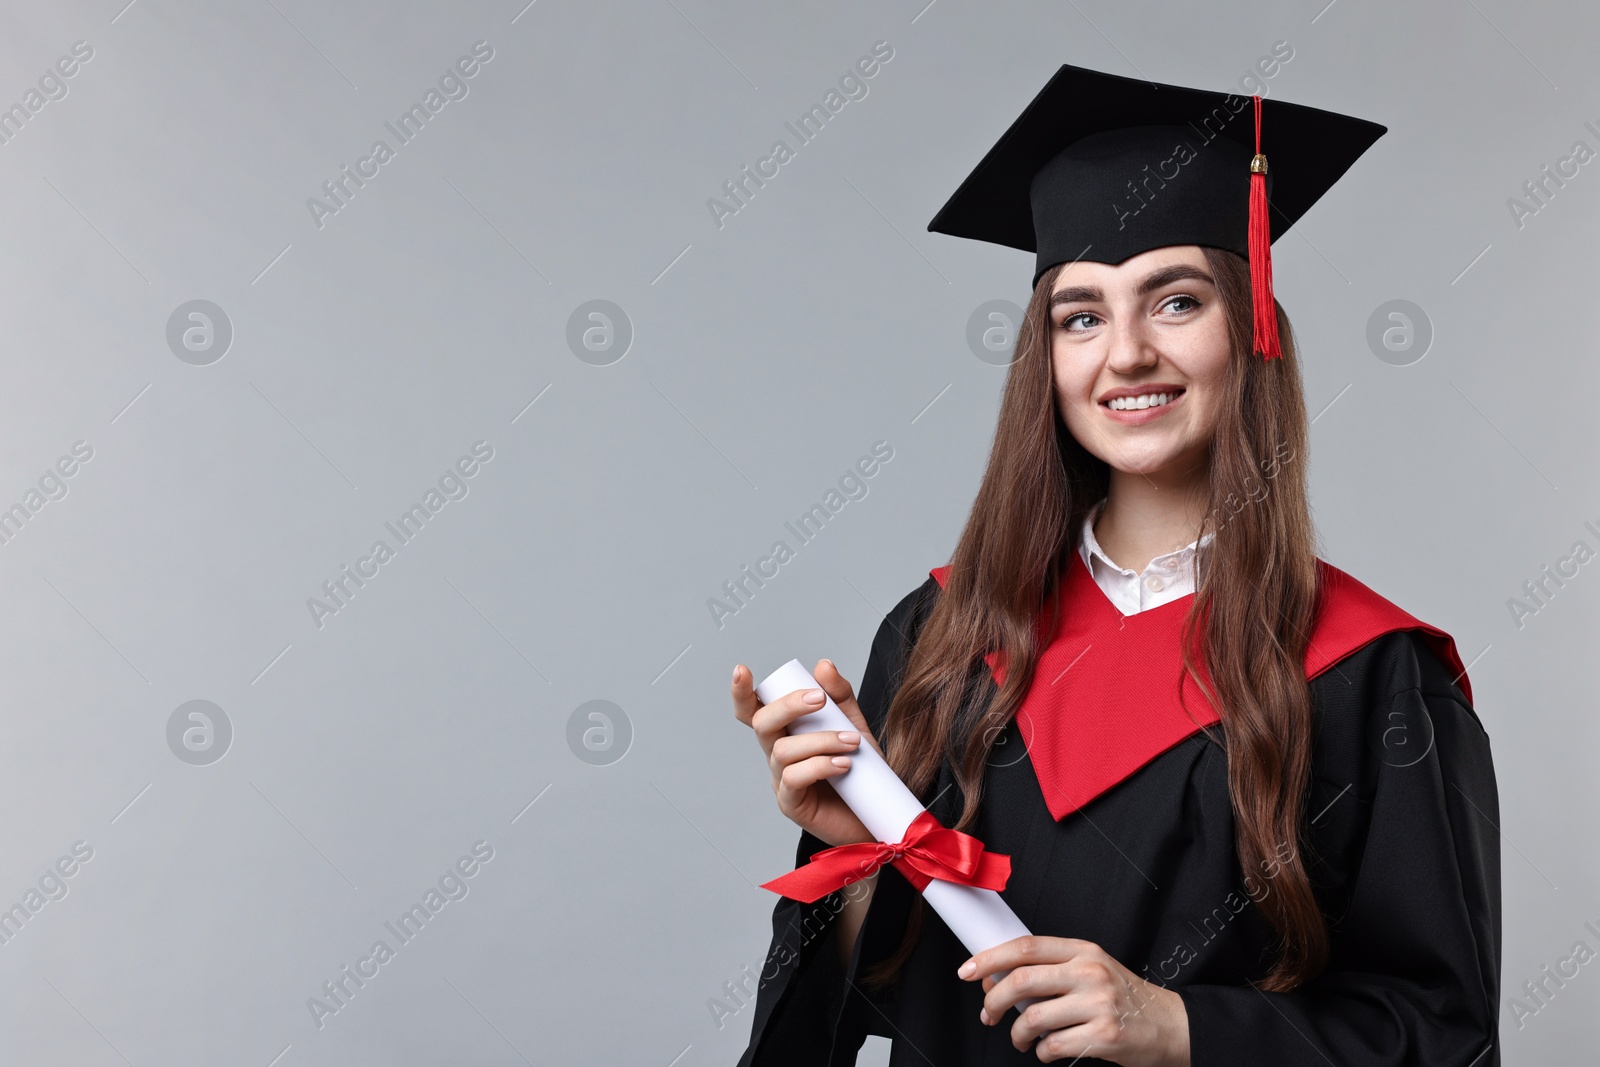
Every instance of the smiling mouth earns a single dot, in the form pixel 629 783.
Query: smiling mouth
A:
pixel 1142 401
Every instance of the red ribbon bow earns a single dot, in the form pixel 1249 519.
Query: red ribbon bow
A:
pixel 926 851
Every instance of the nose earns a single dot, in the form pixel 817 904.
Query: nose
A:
pixel 1131 346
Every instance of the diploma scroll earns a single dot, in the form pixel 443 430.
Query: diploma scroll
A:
pixel 980 918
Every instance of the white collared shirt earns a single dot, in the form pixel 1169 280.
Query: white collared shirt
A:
pixel 1166 579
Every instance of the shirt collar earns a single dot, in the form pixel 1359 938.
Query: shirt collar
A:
pixel 1174 561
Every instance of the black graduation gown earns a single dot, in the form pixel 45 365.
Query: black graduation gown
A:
pixel 1404 860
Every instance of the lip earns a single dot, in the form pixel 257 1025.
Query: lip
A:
pixel 1138 390
pixel 1138 418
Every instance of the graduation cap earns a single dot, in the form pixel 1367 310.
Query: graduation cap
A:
pixel 1102 167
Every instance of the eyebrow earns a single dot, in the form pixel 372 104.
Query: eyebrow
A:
pixel 1155 280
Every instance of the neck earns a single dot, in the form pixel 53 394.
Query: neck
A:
pixel 1146 517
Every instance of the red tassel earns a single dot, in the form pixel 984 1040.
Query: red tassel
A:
pixel 1265 341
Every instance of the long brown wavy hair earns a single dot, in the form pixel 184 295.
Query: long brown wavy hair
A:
pixel 1250 618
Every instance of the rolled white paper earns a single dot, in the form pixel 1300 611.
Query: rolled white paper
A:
pixel 979 917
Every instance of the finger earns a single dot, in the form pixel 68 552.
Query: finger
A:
pixel 798 777
pixel 795 747
pixel 745 701
pixel 1034 981
pixel 1030 948
pixel 1040 1020
pixel 771 721
pixel 843 694
pixel 838 686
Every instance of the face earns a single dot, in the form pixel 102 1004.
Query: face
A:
pixel 1138 352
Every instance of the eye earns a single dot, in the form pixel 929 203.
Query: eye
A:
pixel 1066 323
pixel 1182 299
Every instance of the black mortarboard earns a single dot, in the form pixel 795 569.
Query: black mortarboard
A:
pixel 1102 167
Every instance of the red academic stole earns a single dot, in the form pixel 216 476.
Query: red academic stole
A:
pixel 1104 700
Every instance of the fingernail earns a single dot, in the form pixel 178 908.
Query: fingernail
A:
pixel 849 737
pixel 983 1015
pixel 813 696
pixel 966 969
pixel 841 761
pixel 735 672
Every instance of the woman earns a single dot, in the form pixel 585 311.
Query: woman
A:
pixel 1249 810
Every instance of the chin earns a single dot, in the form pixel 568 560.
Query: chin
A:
pixel 1148 470
pixel 1141 459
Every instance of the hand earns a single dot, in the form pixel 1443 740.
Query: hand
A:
pixel 1090 1003
pixel 802 763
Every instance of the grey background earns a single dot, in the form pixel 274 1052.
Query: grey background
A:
pixel 768 355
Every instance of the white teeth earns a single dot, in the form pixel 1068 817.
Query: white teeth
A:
pixel 1139 403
